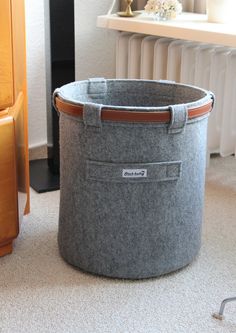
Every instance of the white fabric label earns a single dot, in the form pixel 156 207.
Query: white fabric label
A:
pixel 134 173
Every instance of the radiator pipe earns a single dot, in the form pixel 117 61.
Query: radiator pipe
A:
pixel 219 315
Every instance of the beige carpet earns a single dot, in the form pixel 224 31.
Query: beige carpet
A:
pixel 39 292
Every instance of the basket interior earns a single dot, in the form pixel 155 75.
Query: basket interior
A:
pixel 128 93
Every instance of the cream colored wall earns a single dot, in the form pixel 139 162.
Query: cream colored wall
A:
pixel 94 47
pixel 36 72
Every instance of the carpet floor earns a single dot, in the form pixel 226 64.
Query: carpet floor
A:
pixel 39 292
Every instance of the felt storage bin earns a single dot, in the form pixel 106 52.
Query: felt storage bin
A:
pixel 132 175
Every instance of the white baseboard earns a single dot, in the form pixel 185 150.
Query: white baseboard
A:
pixel 38 152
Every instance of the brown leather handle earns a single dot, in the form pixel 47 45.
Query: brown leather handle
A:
pixel 115 115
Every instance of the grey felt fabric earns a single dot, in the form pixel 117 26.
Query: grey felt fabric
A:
pixel 131 193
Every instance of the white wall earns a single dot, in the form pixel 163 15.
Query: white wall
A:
pixel 94 47
pixel 95 56
pixel 36 73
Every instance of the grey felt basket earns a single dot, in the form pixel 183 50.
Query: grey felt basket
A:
pixel 132 175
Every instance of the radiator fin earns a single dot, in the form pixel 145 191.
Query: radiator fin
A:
pixel 208 66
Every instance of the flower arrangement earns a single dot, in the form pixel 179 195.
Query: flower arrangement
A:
pixel 166 9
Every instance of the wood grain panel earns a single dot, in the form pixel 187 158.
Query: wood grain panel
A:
pixel 18 115
pixel 20 86
pixel 18 45
pixel 6 70
pixel 9 225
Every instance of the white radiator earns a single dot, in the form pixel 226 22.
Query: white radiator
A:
pixel 208 66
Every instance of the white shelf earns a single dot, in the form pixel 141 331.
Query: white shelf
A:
pixel 187 26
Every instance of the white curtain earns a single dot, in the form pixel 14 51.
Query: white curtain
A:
pixel 198 6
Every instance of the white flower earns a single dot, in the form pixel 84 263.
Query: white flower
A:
pixel 168 8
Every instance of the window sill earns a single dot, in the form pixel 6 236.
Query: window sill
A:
pixel 187 26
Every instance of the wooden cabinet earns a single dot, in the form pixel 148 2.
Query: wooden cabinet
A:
pixel 6 70
pixel 14 163
pixel 12 51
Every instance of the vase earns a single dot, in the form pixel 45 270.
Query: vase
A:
pixel 163 16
